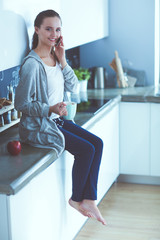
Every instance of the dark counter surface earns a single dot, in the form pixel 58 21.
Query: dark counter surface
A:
pixel 17 171
pixel 135 94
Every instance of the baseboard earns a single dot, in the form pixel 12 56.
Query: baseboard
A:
pixel 138 179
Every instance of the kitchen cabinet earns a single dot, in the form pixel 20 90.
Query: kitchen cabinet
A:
pixel 105 124
pixel 16 40
pixel 30 213
pixel 135 138
pixel 40 210
pixel 139 138
pixel 107 128
pixel 155 135
pixel 4 224
pixel 83 21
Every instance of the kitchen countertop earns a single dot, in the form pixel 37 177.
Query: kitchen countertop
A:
pixel 135 94
pixel 17 171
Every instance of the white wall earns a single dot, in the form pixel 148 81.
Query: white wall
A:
pixel 14 39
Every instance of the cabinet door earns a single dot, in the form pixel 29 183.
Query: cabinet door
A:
pixel 40 210
pixel 134 138
pixel 155 143
pixel 83 21
pixel 4 221
pixel 107 128
pixel 35 211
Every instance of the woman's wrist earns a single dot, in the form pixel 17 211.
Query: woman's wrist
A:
pixel 51 109
pixel 63 63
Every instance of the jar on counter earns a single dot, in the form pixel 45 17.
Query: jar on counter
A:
pixel 19 114
pixel 14 114
pixel 1 121
pixel 11 93
pixel 7 117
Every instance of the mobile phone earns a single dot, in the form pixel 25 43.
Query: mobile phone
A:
pixel 58 41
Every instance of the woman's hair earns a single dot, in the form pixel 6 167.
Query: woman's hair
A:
pixel 39 20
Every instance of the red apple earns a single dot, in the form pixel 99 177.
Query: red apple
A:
pixel 14 147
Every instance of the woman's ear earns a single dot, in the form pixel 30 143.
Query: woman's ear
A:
pixel 36 29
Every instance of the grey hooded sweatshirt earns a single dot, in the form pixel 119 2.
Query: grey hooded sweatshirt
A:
pixel 36 127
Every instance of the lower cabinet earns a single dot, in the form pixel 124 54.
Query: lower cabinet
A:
pixel 155 136
pixel 4 223
pixel 134 138
pixel 139 138
pixel 40 210
pixel 107 128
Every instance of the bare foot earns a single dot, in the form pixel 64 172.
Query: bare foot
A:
pixel 76 205
pixel 90 207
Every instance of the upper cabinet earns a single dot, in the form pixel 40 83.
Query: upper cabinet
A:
pixel 83 21
pixel 14 40
pixel 17 28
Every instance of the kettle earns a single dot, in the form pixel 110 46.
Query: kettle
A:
pixel 99 75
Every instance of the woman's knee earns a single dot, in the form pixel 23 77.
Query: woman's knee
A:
pixel 85 154
pixel 98 142
pixel 89 148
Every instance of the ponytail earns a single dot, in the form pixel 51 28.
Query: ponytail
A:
pixel 34 40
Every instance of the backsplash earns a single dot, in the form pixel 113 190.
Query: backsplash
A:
pixel 11 76
pixel 73 57
pixel 8 77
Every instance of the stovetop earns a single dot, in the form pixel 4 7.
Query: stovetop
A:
pixel 92 105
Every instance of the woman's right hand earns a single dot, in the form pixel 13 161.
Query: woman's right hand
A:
pixel 59 108
pixel 60 53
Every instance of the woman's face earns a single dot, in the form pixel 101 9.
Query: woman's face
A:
pixel 49 31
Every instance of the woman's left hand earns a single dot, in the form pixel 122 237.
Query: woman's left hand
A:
pixel 59 108
pixel 60 53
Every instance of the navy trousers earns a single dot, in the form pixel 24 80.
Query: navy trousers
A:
pixel 87 150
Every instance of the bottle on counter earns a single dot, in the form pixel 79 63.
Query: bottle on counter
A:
pixel 19 114
pixel 14 114
pixel 7 117
pixel 11 93
pixel 1 121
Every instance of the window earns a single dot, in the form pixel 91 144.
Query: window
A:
pixel 157 43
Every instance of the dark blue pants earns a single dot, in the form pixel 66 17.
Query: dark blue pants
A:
pixel 87 151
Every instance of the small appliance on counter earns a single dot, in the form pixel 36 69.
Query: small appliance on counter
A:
pixel 98 78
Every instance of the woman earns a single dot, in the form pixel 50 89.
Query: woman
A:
pixel 45 77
